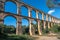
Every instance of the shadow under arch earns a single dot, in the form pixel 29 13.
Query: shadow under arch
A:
pixel 10 6
pixel 35 27
pixel 24 10
pixel 25 26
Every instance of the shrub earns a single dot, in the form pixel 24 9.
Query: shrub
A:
pixel 15 37
pixel 55 29
pixel 7 29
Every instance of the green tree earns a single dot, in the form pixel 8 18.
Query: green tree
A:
pixel 25 29
pixel 9 29
pixel 35 28
pixel 50 4
pixel 2 28
pixel 55 29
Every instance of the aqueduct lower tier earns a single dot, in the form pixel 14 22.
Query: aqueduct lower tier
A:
pixel 19 22
pixel 3 14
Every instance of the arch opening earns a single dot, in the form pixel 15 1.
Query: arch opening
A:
pixel 44 17
pixel 10 23
pixel 49 18
pixel 47 29
pixel 25 26
pixel 40 16
pixel 35 27
pixel 24 11
pixel 10 7
pixel 33 14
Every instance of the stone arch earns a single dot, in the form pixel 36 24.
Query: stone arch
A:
pixel 25 26
pixel 12 1
pixel 9 8
pixel 40 15
pixel 25 8
pixel 35 26
pixel 11 16
pixel 33 13
pixel 10 21
pixel 25 19
pixel 45 17
pixel 49 18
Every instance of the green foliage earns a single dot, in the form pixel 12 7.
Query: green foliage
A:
pixel 50 4
pixel 1 19
pixel 25 29
pixel 35 26
pixel 21 37
pixel 55 29
pixel 2 28
pixel 3 36
pixel 15 37
pixel 10 29
pixel 7 29
pixel 45 31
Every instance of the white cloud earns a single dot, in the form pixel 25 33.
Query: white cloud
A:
pixel 51 11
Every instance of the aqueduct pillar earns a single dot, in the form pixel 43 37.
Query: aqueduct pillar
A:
pixel 1 18
pixel 30 21
pixel 39 26
pixel 19 26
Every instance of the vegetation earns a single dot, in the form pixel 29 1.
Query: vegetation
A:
pixel 25 29
pixel 45 31
pixel 7 29
pixel 1 19
pixel 8 33
pixel 15 37
pixel 55 29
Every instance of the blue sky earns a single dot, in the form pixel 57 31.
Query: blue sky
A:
pixel 39 4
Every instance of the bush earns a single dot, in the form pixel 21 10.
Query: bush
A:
pixel 7 29
pixel 25 29
pixel 55 29
pixel 45 31
pixel 1 19
pixel 10 29
pixel 15 37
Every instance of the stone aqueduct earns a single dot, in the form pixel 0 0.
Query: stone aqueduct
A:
pixel 53 20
